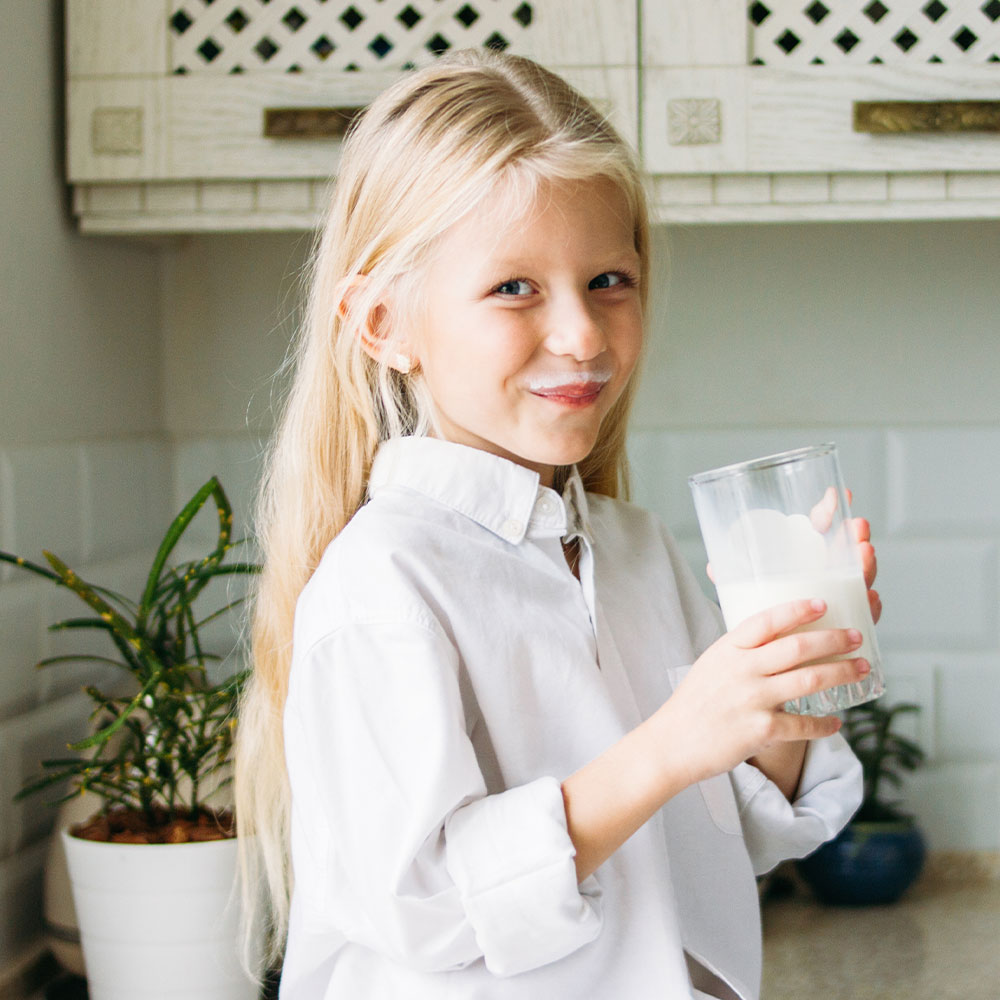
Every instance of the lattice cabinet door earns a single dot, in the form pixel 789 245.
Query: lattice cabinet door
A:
pixel 862 91
pixel 180 90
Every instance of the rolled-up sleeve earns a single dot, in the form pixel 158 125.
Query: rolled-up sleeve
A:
pixel 512 860
pixel 829 794
pixel 396 844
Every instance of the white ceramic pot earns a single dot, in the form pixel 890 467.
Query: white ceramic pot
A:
pixel 158 920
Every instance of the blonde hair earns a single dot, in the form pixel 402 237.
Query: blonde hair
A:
pixel 429 150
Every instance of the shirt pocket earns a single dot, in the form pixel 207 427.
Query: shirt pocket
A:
pixel 720 801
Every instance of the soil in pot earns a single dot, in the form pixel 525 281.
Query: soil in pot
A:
pixel 127 826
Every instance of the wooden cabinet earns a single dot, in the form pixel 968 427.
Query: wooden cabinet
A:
pixel 749 109
pixel 742 110
pixel 167 100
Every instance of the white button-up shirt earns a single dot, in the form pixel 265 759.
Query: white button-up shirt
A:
pixel 448 672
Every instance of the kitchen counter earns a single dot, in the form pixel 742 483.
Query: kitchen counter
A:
pixel 941 941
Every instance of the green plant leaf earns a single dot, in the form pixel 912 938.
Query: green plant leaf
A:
pixel 177 528
pixel 80 658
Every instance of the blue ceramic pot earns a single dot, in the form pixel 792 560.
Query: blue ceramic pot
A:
pixel 867 863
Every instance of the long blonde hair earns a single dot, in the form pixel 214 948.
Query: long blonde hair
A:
pixel 423 155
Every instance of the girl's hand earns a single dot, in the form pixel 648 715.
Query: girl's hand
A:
pixel 863 535
pixel 822 516
pixel 729 707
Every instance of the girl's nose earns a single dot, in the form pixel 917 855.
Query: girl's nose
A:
pixel 575 330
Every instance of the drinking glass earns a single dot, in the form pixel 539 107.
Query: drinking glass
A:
pixel 778 529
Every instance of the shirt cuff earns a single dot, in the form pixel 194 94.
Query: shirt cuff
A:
pixel 830 791
pixel 511 857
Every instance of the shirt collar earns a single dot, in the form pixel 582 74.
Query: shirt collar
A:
pixel 498 494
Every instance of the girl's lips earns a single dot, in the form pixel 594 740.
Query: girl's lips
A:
pixel 572 393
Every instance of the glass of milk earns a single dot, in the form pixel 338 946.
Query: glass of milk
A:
pixel 777 529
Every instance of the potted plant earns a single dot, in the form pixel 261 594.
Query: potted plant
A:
pixel 153 870
pixel 880 853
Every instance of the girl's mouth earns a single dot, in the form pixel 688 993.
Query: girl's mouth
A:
pixel 576 389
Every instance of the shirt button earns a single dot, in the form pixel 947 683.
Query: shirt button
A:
pixel 546 505
pixel 511 529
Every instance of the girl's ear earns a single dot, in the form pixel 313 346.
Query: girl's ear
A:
pixel 373 332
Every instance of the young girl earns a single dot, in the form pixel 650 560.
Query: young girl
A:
pixel 480 763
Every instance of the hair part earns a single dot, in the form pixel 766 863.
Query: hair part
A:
pixel 492 125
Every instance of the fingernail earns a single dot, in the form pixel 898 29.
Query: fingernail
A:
pixel 864 667
pixel 818 605
pixel 854 636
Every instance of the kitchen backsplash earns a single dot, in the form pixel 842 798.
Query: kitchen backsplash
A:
pixel 929 494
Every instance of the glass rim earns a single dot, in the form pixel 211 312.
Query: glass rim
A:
pixel 766 462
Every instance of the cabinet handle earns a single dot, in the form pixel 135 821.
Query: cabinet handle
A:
pixel 309 123
pixel 897 117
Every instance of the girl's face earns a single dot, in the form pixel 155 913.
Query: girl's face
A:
pixel 532 326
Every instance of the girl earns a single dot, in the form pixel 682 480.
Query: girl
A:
pixel 481 749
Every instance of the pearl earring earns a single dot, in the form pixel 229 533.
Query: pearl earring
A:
pixel 402 364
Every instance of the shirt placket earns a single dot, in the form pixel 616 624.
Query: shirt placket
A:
pixel 609 659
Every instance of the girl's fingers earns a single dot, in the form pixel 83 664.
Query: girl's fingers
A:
pixel 790 652
pixel 766 626
pixel 869 562
pixel 821 515
pixel 875 603
pixel 788 726
pixel 794 684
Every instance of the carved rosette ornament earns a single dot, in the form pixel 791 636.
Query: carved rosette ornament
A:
pixel 694 121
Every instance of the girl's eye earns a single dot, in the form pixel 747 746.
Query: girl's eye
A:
pixel 611 279
pixel 514 286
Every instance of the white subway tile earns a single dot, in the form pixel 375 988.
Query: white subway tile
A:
pixel 21 880
pixel 913 678
pixel 194 462
pixel 124 487
pixel 944 480
pixel 24 742
pixel 235 460
pixel 652 465
pixel 937 594
pixel 7 540
pixel 957 805
pixel 46 490
pixel 968 700
pixel 23 634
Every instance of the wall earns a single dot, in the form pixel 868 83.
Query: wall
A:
pixel 84 464
pixel 132 371
pixel 882 337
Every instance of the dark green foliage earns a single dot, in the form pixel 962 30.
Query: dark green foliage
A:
pixel 884 755
pixel 168 738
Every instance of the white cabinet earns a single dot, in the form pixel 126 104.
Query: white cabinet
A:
pixel 167 99
pixel 749 109
pixel 742 110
